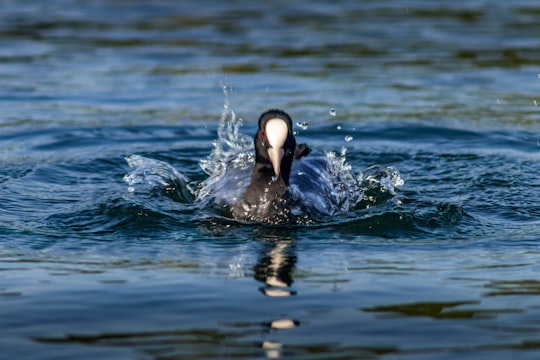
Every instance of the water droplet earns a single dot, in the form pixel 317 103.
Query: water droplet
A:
pixel 535 103
pixel 303 125
pixel 348 138
pixel 338 127
pixel 332 112
pixel 274 178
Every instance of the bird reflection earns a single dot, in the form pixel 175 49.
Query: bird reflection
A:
pixel 275 268
pixel 272 349
pixel 275 265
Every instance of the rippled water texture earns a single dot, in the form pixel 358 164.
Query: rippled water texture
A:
pixel 431 105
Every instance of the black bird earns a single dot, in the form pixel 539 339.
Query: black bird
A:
pixel 280 184
pixel 267 197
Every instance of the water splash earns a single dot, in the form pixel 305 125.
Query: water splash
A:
pixel 320 186
pixel 302 125
pixel 150 175
pixel 377 184
pixel 230 141
pixel 232 151
pixel 346 183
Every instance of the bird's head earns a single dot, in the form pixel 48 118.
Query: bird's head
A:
pixel 275 143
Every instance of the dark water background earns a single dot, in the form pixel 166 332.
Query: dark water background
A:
pixel 444 91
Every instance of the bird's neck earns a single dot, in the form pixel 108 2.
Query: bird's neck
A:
pixel 263 177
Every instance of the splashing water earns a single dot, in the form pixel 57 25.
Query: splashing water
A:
pixel 377 184
pixel 320 186
pixel 150 175
pixel 230 141
pixel 302 125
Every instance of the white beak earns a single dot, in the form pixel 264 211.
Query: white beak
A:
pixel 276 132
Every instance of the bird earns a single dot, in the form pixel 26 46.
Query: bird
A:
pixel 267 196
pixel 279 182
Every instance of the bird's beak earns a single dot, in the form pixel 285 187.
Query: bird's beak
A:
pixel 276 132
pixel 276 154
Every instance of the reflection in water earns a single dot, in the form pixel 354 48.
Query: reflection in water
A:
pixel 283 324
pixel 438 310
pixel 513 287
pixel 272 349
pixel 275 268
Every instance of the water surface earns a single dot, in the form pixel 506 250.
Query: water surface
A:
pixel 446 93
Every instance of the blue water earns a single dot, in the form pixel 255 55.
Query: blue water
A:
pixel 442 264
